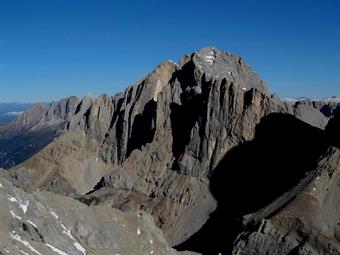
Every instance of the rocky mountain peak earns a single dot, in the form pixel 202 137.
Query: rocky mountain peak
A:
pixel 217 64
pixel 32 114
pixel 43 115
pixel 157 145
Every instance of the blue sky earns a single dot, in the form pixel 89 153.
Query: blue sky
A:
pixel 53 49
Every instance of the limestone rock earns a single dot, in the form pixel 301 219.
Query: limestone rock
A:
pixel 47 223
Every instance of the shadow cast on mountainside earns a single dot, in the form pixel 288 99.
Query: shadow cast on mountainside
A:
pixel 333 128
pixel 253 174
pixel 186 115
pixel 143 123
pixel 24 145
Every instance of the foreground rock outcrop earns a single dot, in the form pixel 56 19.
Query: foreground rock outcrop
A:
pixel 47 223
pixel 254 174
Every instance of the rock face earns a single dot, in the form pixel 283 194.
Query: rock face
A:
pixel 167 145
pixel 254 174
pixel 308 220
pixel 287 204
pixel 47 223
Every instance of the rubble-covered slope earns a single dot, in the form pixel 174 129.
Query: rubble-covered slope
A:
pixel 47 223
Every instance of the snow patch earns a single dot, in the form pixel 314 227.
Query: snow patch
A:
pixel 173 62
pixel 138 231
pixel 12 199
pixel 67 232
pixel 14 215
pixel 25 253
pixel 16 237
pixel 210 58
pixel 54 215
pixel 24 206
pixel 30 222
pixel 80 248
pixel 1 186
pixel 56 250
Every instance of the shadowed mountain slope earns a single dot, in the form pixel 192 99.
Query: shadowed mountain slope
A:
pixel 254 174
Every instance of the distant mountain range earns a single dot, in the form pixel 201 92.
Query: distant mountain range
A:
pixel 10 111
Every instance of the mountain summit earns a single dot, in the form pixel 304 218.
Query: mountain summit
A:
pixel 219 64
